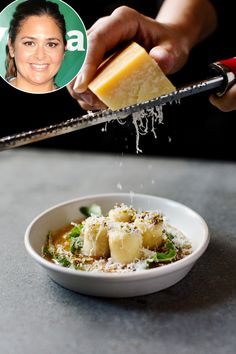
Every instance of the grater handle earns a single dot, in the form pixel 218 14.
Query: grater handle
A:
pixel 226 68
pixel 229 63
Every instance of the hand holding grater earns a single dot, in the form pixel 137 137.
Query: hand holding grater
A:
pixel 223 74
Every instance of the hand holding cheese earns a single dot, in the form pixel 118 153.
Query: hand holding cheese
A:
pixel 178 27
pixel 128 77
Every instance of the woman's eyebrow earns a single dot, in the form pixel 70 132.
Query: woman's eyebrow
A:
pixel 54 39
pixel 48 39
pixel 28 37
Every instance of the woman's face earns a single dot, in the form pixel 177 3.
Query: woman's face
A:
pixel 38 52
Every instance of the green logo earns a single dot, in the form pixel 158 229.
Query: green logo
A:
pixel 76 37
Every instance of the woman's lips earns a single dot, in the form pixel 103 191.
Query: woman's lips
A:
pixel 39 67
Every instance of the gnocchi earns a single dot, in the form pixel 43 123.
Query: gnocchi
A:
pixel 150 225
pixel 125 243
pixel 95 237
pixel 122 213
pixel 125 240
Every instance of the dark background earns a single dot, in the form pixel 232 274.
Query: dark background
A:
pixel 193 128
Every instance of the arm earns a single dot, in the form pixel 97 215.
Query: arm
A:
pixel 197 18
pixel 192 20
pixel 169 38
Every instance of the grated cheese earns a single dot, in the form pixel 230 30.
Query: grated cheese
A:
pixel 141 120
pixel 121 234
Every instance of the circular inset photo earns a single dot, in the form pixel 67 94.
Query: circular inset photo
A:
pixel 43 45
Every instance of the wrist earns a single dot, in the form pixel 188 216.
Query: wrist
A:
pixel 194 20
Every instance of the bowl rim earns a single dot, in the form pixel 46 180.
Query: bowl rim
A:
pixel 147 273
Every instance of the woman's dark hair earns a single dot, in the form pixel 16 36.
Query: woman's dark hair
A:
pixel 23 11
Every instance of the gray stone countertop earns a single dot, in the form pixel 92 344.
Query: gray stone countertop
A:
pixel 195 316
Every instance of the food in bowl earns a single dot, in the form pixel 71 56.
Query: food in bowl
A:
pixel 124 240
pixel 118 283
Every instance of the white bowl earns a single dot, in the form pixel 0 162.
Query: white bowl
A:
pixel 119 284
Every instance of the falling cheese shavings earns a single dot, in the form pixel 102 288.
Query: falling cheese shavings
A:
pixel 141 120
pixel 119 186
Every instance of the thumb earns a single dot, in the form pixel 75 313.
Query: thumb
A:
pixel 163 58
pixel 84 77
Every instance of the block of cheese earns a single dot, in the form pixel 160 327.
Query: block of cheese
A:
pixel 128 77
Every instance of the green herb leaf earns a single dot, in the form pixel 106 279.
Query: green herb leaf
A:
pixel 48 248
pixel 75 232
pixel 167 256
pixel 76 244
pixel 93 209
pixel 63 261
pixel 46 251
pixel 169 236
